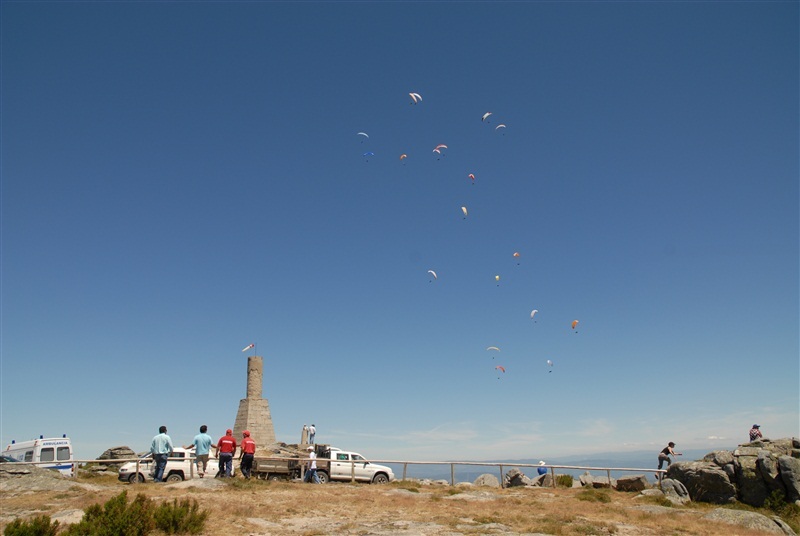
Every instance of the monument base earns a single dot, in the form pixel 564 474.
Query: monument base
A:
pixel 254 415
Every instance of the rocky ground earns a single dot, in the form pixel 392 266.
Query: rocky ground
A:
pixel 241 507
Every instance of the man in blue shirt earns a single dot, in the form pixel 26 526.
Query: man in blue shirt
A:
pixel 161 448
pixel 202 446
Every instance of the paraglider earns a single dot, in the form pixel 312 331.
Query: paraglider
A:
pixel 500 368
pixel 415 97
pixel 367 155
pixel 550 364
pixel 472 176
pixel 495 348
pixel 517 256
pixel 486 116
pixel 575 325
pixel 497 278
pixel 433 274
pixel 403 156
pixel 499 126
pixel 438 149
pixel 366 136
pixel 464 211
pixel 533 313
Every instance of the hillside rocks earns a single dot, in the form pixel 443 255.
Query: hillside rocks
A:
pixel 751 473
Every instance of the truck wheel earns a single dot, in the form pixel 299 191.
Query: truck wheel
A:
pixel 136 477
pixel 275 478
pixel 323 477
pixel 380 478
pixel 175 477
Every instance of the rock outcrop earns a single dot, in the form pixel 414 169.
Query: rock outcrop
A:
pixel 751 474
pixel 750 520
pixel 705 481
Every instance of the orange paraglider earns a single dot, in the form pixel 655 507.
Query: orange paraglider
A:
pixel 575 325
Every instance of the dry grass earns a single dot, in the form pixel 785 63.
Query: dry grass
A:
pixel 265 508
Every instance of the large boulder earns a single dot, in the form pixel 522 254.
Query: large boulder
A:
pixel 675 491
pixel 632 483
pixel 705 481
pixel 116 453
pixel 488 480
pixel 515 477
pixel 789 468
pixel 751 487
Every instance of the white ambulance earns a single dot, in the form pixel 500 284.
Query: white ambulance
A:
pixel 56 450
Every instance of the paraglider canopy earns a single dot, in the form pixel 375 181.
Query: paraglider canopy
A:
pixel 433 274
pixel 415 97
pixel 486 116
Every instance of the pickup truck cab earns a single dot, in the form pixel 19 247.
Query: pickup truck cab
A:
pixel 342 465
pixel 179 467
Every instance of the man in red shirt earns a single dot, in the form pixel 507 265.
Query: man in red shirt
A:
pixel 224 449
pixel 246 454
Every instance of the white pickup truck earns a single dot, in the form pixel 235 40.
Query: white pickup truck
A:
pixel 180 466
pixel 332 464
pixel 346 466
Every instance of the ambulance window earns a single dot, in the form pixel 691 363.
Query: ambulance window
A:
pixel 47 454
pixel 28 456
pixel 63 453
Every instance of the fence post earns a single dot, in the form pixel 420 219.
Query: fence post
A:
pixel 553 476
pixel 405 466
pixel 452 474
pixel 502 482
pixel 608 472
pixel 136 480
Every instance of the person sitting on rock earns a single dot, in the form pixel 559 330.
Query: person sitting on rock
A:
pixel 755 433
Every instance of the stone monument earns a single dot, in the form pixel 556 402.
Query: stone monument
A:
pixel 253 411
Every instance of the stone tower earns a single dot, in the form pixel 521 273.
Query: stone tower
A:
pixel 253 411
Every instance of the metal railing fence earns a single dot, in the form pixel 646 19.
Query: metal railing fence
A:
pixel 658 473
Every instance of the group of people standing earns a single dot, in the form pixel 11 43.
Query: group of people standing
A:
pixel 224 449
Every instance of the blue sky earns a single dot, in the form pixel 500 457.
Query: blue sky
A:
pixel 182 179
